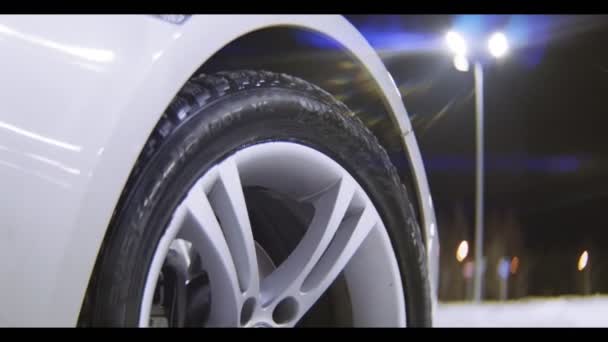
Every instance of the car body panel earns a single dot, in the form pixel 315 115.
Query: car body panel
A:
pixel 78 99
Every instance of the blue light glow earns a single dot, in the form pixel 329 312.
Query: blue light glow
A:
pixel 512 164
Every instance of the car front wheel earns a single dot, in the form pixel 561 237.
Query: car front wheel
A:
pixel 261 201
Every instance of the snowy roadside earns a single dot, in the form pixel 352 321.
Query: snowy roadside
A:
pixel 535 312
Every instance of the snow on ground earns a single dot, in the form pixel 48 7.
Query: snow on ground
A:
pixel 534 312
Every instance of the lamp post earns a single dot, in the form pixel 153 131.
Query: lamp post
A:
pixel 497 46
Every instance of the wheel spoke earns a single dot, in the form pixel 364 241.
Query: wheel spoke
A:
pixel 201 228
pixel 349 237
pixel 228 200
pixel 218 226
pixel 322 253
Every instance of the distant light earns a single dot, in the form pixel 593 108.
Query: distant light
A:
pixel 498 45
pixel 514 265
pixel 503 268
pixel 462 251
pixel 582 261
pixel 468 269
pixel 461 63
pixel 456 43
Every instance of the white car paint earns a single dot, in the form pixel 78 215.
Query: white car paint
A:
pixel 79 95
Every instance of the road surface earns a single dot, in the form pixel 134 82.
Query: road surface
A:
pixel 552 312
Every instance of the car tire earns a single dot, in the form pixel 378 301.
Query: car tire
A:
pixel 212 117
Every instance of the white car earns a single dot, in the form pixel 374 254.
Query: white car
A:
pixel 231 171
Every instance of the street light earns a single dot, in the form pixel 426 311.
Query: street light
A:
pixel 498 47
pixel 582 261
pixel 461 63
pixel 462 251
pixel 456 43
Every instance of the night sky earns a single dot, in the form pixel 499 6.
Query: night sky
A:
pixel 546 122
